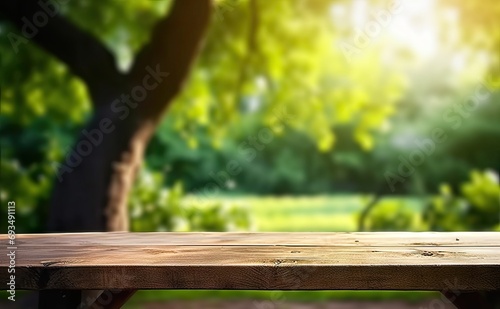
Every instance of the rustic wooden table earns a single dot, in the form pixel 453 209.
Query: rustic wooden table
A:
pixel 63 265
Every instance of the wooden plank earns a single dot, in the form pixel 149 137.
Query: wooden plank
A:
pixel 381 239
pixel 74 256
pixel 264 278
pixel 296 261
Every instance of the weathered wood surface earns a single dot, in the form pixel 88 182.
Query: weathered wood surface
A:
pixel 298 261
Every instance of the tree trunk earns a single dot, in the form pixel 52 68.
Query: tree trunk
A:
pixel 92 196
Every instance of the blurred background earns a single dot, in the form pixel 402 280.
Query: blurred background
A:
pixel 305 115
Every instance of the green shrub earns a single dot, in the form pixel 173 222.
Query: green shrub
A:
pixel 393 215
pixel 476 207
pixel 154 207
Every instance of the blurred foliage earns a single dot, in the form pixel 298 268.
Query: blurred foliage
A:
pixel 480 29
pixel 290 164
pixel 31 196
pixel 288 70
pixel 475 207
pixel 393 215
pixel 274 78
pixel 154 207
pixel 27 173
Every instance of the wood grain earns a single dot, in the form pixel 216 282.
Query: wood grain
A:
pixel 284 261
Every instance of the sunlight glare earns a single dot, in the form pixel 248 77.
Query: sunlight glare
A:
pixel 417 28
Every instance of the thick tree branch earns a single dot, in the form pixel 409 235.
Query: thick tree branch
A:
pixel 83 54
pixel 174 45
pixel 92 191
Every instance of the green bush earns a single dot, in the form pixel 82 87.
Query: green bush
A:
pixel 476 207
pixel 29 187
pixel 154 207
pixel 393 215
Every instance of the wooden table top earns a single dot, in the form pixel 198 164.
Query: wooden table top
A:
pixel 256 261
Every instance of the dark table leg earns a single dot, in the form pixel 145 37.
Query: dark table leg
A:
pixel 59 299
pixel 113 299
pixel 474 300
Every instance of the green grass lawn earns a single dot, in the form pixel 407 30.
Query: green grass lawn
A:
pixel 338 213
pixel 295 214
